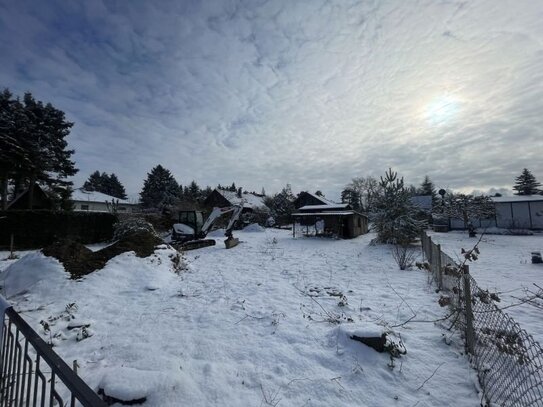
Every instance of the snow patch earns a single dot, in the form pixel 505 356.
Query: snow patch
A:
pixel 125 383
pixel 253 227
pixel 29 272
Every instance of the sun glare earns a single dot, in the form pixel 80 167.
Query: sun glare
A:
pixel 442 110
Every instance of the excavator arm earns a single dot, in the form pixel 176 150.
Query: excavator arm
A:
pixel 213 216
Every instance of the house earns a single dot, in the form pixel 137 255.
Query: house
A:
pixel 40 200
pixel 251 202
pixel 512 212
pixel 307 198
pixel 320 216
pixel 93 201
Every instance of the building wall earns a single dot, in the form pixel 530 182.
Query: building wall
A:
pixel 523 215
pixel 86 206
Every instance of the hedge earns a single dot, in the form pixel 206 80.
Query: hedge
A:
pixel 39 228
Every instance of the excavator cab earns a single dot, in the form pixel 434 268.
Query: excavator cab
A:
pixel 194 219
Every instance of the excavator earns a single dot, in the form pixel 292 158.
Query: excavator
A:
pixel 190 232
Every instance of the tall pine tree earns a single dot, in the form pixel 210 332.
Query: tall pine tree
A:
pixel 160 189
pixel 394 216
pixel 34 149
pixel 526 184
pixel 106 184
pixel 427 188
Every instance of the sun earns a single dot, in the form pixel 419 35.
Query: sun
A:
pixel 442 110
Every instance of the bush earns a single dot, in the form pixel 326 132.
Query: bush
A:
pixel 131 226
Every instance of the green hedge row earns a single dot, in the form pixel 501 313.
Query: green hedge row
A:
pixel 39 228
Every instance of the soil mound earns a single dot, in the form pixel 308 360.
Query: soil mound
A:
pixel 80 261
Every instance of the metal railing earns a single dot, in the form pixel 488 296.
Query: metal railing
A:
pixel 509 361
pixel 32 374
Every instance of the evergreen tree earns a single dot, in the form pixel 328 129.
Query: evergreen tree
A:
pixel 106 184
pixel 95 182
pixel 351 197
pixel 281 204
pixel 160 189
pixel 394 216
pixel 115 188
pixel 427 188
pixel 34 149
pixel 526 184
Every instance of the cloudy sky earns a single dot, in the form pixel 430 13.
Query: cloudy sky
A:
pixel 310 92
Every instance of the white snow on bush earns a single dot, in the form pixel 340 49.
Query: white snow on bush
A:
pixel 253 227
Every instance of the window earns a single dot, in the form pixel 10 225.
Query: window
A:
pixel 84 207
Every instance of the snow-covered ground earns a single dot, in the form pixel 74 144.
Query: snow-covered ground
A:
pixel 266 323
pixel 504 266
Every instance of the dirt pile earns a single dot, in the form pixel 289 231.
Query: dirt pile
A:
pixel 80 261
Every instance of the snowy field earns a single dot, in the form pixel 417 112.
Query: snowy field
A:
pixel 504 266
pixel 267 323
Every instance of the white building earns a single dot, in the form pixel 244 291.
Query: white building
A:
pixel 512 212
pixel 93 201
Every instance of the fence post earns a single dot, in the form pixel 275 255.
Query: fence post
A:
pixel 439 270
pixel 429 251
pixel 470 333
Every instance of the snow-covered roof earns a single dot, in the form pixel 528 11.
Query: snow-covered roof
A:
pixel 321 198
pixel 517 198
pixel 329 206
pixel 249 200
pixel 93 196
pixel 327 213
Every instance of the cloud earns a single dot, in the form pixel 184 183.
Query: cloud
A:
pixel 268 92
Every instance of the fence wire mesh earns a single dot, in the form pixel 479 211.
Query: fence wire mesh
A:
pixel 508 360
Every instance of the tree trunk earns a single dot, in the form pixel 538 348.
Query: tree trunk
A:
pixel 4 192
pixel 31 192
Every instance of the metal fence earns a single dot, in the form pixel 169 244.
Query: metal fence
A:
pixel 32 374
pixel 508 360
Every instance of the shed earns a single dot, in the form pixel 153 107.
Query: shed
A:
pixel 338 220
pixel 40 200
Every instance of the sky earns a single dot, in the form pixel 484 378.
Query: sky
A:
pixel 307 92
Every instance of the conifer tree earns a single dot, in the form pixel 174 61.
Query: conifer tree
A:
pixel 394 215
pixel 526 184
pixel 427 188
pixel 351 197
pixel 160 189
pixel 33 146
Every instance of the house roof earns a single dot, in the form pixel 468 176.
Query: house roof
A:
pixel 321 198
pixel 249 200
pixel 81 195
pixel 328 206
pixel 327 213
pixel 517 198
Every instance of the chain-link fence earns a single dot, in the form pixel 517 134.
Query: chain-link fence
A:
pixel 508 360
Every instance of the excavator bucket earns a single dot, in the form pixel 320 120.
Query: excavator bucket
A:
pixel 231 242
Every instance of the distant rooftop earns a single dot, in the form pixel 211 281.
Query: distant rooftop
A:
pixel 81 194
pixel 249 200
pixel 517 198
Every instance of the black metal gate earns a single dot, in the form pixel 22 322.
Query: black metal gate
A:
pixel 32 374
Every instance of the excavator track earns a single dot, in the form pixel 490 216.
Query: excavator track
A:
pixel 195 244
